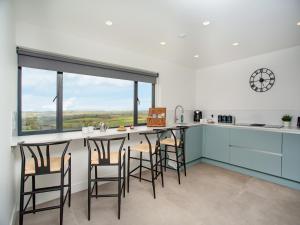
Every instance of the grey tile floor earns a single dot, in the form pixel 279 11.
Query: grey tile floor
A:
pixel 207 196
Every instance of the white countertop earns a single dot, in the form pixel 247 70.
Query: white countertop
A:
pixel 76 135
pixel 289 130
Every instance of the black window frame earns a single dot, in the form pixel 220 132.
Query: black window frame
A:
pixel 59 106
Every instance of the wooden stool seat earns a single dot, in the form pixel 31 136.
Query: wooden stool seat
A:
pixel 114 157
pixel 170 142
pixel 144 147
pixel 55 164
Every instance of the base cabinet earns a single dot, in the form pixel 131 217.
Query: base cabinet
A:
pixel 216 143
pixel 291 157
pixel 193 143
pixel 268 152
pixel 256 150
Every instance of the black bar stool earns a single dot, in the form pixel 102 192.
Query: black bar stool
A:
pixel 152 150
pixel 176 142
pixel 41 163
pixel 99 155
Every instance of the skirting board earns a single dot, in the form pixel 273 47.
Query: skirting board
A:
pixel 13 216
pixel 263 176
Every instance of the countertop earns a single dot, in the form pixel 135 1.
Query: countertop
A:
pixel 76 135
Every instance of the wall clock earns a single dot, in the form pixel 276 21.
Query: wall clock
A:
pixel 262 80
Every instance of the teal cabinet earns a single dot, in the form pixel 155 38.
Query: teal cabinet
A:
pixel 193 143
pixel 256 139
pixel 256 150
pixel 291 156
pixel 216 143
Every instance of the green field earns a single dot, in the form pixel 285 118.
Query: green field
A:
pixel 75 120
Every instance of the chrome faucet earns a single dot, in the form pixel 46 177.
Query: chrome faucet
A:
pixel 182 111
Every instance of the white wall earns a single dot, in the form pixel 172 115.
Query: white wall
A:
pixel 8 75
pixel 225 88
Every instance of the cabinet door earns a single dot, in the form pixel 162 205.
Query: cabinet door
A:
pixel 256 139
pixel 216 143
pixel 256 150
pixel 291 156
pixel 256 160
pixel 193 143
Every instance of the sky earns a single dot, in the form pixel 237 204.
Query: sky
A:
pixel 81 92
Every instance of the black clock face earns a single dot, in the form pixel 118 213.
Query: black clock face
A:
pixel 262 80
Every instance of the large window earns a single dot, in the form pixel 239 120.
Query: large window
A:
pixel 144 101
pixel 89 100
pixel 53 101
pixel 38 100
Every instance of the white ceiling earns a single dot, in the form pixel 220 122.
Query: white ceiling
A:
pixel 259 26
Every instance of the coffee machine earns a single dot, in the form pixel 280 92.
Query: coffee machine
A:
pixel 197 115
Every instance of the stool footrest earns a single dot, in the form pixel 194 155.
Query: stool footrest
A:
pixel 100 179
pixel 41 209
pixel 141 178
pixel 104 195
pixel 45 189
pixel 146 160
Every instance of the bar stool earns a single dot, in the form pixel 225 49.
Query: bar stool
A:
pixel 152 150
pixel 176 143
pixel 41 163
pixel 99 156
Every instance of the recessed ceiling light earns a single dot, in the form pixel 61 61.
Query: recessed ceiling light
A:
pixel 206 23
pixel 108 23
pixel 298 24
pixel 196 56
pixel 182 35
pixel 235 44
pixel 162 43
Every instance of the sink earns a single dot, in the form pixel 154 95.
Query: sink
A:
pixel 257 124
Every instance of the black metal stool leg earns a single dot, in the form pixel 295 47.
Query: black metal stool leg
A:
pixel 21 215
pixel 166 148
pixel 152 173
pixel 128 169
pixel 96 183
pixel 161 169
pixel 124 178
pixel 177 162
pixel 61 211
pixel 119 190
pixel 69 181
pixel 183 158
pixel 33 189
pixel 141 160
pixel 156 162
pixel 89 191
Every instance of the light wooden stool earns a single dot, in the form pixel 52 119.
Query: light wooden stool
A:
pixel 152 150
pixel 100 155
pixel 176 143
pixel 41 163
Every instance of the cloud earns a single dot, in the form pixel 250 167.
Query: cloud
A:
pixel 37 103
pixel 88 81
pixel 69 103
